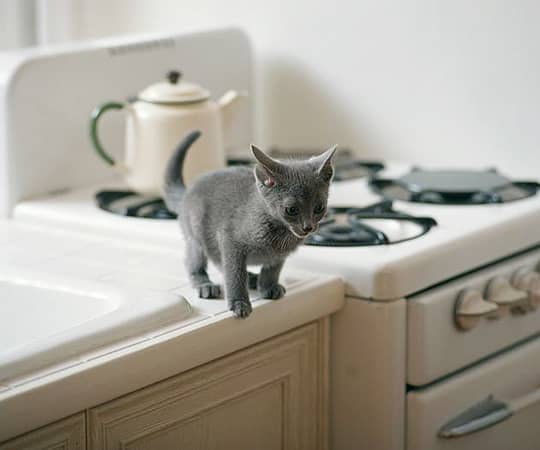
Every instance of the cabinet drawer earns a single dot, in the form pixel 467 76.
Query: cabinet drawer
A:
pixel 436 347
pixel 269 396
pixel 512 378
pixel 66 434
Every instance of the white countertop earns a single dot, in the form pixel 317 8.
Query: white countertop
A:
pixel 130 362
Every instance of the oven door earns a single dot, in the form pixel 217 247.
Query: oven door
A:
pixel 493 405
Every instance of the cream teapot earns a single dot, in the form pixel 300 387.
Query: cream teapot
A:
pixel 157 120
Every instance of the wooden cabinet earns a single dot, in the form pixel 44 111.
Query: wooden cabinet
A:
pixel 66 434
pixel 270 396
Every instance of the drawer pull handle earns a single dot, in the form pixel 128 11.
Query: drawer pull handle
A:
pixel 486 413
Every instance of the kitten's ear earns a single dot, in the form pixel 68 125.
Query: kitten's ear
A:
pixel 266 161
pixel 324 163
pixel 267 168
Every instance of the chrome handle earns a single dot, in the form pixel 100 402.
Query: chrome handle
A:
pixel 470 307
pixel 485 414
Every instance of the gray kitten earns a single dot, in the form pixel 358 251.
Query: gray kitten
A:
pixel 241 216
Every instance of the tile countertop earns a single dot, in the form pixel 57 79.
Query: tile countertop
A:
pixel 101 374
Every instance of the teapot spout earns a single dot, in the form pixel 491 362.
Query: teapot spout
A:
pixel 228 106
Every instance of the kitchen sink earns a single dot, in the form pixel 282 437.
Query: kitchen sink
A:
pixel 32 312
pixel 46 320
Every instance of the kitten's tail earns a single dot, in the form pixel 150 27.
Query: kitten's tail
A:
pixel 174 187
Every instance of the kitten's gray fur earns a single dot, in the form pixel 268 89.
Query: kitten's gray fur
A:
pixel 238 216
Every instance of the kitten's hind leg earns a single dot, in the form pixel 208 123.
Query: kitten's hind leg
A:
pixel 196 262
pixel 268 281
pixel 209 290
pixel 253 280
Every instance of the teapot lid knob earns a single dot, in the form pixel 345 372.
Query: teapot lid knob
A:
pixel 173 76
pixel 173 91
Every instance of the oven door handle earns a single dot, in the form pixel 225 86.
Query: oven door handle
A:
pixel 486 413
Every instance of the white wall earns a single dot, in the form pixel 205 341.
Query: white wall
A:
pixel 17 24
pixel 426 80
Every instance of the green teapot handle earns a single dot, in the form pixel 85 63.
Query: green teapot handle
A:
pixel 96 114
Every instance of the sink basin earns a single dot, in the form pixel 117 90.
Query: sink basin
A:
pixel 45 320
pixel 37 312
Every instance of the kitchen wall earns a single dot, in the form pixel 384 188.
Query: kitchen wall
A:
pixel 426 80
pixel 17 24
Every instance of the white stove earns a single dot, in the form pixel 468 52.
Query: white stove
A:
pixel 432 326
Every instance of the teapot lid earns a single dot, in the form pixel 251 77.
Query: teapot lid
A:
pixel 173 91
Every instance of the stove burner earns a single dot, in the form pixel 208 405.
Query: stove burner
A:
pixel 131 204
pixel 356 168
pixel 346 166
pixel 454 187
pixel 240 161
pixel 377 224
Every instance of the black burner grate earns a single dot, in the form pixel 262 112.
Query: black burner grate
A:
pixel 356 168
pixel 378 224
pixel 454 187
pixel 131 204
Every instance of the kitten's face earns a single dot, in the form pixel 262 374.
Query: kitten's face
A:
pixel 296 192
pixel 300 207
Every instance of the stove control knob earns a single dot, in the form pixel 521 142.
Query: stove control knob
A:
pixel 470 307
pixel 504 295
pixel 527 280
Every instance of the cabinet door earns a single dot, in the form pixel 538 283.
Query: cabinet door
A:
pixel 66 434
pixel 270 396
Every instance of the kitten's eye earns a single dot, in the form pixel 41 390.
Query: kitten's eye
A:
pixel 292 210
pixel 319 209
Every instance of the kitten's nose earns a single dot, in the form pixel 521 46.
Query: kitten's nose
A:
pixel 307 228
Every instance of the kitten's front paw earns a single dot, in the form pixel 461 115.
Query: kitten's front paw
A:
pixel 273 292
pixel 210 290
pixel 241 308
